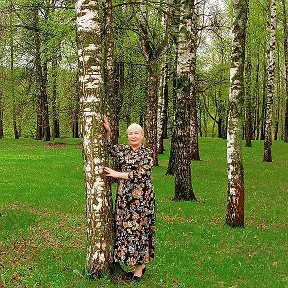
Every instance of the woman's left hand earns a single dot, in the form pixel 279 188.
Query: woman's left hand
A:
pixel 110 172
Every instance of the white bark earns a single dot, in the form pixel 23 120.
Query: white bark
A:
pixel 235 191
pixel 98 194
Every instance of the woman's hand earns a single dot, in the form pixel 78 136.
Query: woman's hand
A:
pixel 106 126
pixel 106 123
pixel 115 174
pixel 110 172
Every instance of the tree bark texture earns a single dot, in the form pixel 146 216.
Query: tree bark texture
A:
pixel 172 155
pixel 151 111
pixel 257 99
pixel 98 193
pixel 278 95
pixel 119 95
pixel 235 199
pixel 55 105
pixel 162 107
pixel 109 72
pixel 42 113
pixel 286 69
pixel 248 105
pixel 15 129
pixel 183 113
pixel 270 86
pixel 192 73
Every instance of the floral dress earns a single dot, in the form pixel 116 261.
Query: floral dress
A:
pixel 135 206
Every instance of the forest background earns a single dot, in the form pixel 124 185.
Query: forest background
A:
pixel 20 99
pixel 40 91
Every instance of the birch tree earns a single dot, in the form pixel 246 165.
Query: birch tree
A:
pixel 286 68
pixel 248 106
pixel 235 205
pixel 43 127
pixel 270 85
pixel 98 194
pixel 183 113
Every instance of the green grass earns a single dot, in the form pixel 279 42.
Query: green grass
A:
pixel 42 222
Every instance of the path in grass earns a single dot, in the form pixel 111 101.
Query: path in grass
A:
pixel 42 222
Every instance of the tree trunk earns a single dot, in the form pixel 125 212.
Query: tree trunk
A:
pixel 267 157
pixel 192 82
pixel 42 113
pixel 162 107
pixel 264 103
pixel 55 108
pixel 109 72
pixel 172 155
pixel 98 193
pixel 151 111
pixel 257 100
pixel 235 199
pixel 278 95
pixel 15 129
pixel 119 95
pixel 286 69
pixel 248 114
pixel 184 110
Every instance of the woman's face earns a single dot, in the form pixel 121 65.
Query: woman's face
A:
pixel 135 138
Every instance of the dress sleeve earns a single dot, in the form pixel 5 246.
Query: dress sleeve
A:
pixel 144 168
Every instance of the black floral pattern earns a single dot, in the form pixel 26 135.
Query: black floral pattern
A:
pixel 135 206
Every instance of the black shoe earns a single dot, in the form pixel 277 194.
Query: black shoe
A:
pixel 130 274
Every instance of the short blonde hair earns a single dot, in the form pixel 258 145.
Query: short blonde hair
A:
pixel 135 126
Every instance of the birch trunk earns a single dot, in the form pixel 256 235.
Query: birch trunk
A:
pixel 151 110
pixel 98 194
pixel 183 115
pixel 192 90
pixel 235 199
pixel 278 96
pixel 55 106
pixel 174 36
pixel 15 129
pixel 43 127
pixel 172 156
pixel 257 100
pixel 248 114
pixel 270 87
pixel 286 69
pixel 162 107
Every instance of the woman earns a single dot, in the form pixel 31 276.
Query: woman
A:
pixel 135 201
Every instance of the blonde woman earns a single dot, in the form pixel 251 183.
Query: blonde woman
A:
pixel 135 201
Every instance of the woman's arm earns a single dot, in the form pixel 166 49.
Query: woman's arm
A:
pixel 116 149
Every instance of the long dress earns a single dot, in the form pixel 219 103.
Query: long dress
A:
pixel 135 206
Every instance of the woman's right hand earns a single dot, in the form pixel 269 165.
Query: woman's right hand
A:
pixel 106 124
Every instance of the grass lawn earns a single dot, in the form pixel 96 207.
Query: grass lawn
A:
pixel 42 220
